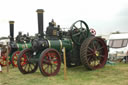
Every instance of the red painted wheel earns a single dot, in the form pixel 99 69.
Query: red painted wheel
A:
pixel 24 62
pixel 14 58
pixel 93 53
pixel 49 62
pixel 3 60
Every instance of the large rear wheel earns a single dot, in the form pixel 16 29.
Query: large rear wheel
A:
pixel 93 53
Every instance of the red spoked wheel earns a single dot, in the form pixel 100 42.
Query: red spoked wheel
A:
pixel 93 53
pixel 24 62
pixel 14 58
pixel 49 62
pixel 3 61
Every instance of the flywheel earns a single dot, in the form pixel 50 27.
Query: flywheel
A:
pixel 79 32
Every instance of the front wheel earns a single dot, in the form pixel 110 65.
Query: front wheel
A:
pixel 49 62
pixel 24 64
pixel 3 60
pixel 14 58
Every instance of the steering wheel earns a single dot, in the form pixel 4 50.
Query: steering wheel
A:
pixel 79 32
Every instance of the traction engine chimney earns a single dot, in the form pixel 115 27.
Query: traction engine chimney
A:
pixel 11 30
pixel 40 22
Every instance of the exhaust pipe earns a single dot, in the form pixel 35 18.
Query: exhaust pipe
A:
pixel 40 22
pixel 11 30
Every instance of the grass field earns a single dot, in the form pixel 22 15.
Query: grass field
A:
pixel 109 75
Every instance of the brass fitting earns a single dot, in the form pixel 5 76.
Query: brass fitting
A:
pixel 40 11
pixel 11 22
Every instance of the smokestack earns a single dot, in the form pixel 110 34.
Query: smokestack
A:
pixel 40 22
pixel 11 30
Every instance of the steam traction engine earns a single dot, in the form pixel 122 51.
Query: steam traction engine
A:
pixel 82 48
pixel 15 46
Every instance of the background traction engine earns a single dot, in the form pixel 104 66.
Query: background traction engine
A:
pixel 15 46
pixel 81 49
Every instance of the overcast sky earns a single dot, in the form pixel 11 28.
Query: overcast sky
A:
pixel 103 15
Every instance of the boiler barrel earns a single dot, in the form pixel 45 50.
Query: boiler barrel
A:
pixel 59 44
pixel 23 46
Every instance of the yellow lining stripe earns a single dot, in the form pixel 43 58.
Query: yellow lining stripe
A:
pixel 72 44
pixel 23 46
pixel 49 44
pixel 61 44
pixel 26 45
pixel 17 45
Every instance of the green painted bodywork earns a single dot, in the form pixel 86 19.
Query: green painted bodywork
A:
pixel 20 48
pixel 60 44
pixel 23 46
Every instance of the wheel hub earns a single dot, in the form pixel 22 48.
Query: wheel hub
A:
pixel 97 53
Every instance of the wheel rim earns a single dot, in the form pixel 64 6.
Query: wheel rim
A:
pixel 79 31
pixel 3 61
pixel 14 58
pixel 24 63
pixel 96 53
pixel 50 62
